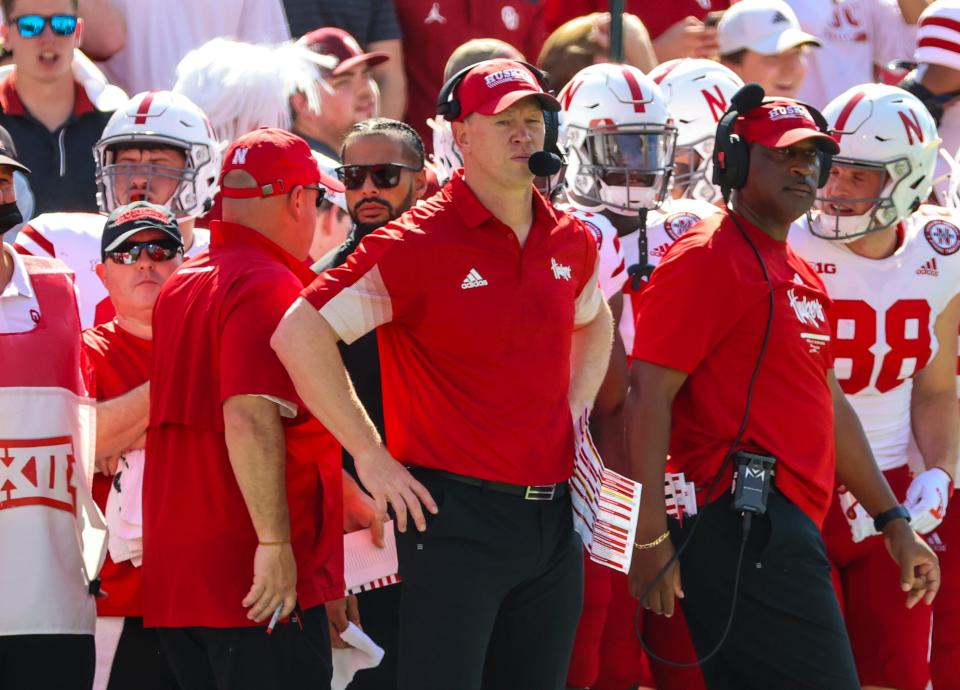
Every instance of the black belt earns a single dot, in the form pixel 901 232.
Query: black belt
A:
pixel 542 492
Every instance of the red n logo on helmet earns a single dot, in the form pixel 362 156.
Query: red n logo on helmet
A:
pixel 911 123
pixel 569 91
pixel 718 104
pixel 636 95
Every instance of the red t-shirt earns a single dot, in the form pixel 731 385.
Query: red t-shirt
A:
pixel 433 30
pixel 212 326
pixel 121 362
pixel 476 333
pixel 704 313
pixel 656 16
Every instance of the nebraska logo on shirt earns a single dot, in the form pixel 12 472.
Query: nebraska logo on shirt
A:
pixel 808 311
pixel 37 472
pixel 560 271
pixel 944 237
pixel 679 223
pixel 505 75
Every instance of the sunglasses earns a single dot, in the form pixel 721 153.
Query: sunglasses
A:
pixel 157 250
pixel 31 25
pixel 384 175
pixel 321 192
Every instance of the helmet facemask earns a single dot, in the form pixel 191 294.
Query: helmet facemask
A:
pixel 623 168
pixel 883 212
pixel 693 171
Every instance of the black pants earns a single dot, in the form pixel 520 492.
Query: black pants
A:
pixel 787 630
pixel 380 618
pixel 491 592
pixel 47 662
pixel 140 662
pixel 249 658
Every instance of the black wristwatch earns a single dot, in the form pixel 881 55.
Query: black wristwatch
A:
pixel 887 516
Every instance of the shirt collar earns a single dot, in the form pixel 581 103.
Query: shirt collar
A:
pixel 224 233
pixel 12 105
pixel 475 214
pixel 20 285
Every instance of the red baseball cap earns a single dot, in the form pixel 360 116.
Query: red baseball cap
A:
pixel 277 160
pixel 779 123
pixel 330 40
pixel 492 86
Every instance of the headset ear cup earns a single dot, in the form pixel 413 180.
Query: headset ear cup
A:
pixel 739 165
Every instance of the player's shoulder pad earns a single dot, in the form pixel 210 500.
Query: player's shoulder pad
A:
pixel 598 224
pixel 44 265
pixel 936 226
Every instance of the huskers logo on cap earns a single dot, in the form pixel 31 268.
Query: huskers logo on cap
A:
pixel 507 75
pixel 783 111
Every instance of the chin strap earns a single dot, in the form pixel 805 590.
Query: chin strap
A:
pixel 641 270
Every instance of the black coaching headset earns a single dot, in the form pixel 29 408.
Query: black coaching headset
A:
pixel 731 155
pixel 542 163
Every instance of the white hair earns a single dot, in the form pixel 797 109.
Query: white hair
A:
pixel 241 86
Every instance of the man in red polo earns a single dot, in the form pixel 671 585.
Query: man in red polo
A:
pixel 750 379
pixel 242 484
pixel 491 329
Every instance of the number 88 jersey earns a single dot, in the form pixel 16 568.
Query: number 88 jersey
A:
pixel 883 317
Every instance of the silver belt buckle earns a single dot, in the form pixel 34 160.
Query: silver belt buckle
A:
pixel 540 493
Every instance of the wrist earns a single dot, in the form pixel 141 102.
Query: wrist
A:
pixel 892 519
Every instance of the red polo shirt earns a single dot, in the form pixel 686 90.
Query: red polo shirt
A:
pixel 656 16
pixel 433 30
pixel 212 326
pixel 475 333
pixel 121 362
pixel 704 313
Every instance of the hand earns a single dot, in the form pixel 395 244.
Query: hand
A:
pixel 140 443
pixel 645 567
pixel 687 38
pixel 919 568
pixel 274 582
pixel 107 465
pixel 340 613
pixel 360 512
pixel 389 482
pixel 927 499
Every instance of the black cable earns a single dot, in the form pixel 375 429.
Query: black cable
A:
pixel 642 269
pixel 713 483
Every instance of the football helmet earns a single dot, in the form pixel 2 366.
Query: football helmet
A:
pixel 697 92
pixel 160 119
pixel 446 157
pixel 619 139
pixel 880 127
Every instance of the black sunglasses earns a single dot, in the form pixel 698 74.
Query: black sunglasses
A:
pixel 128 254
pixel 384 175
pixel 320 190
pixel 31 25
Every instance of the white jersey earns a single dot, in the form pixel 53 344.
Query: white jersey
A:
pixel 664 227
pixel 883 318
pixel 74 238
pixel 611 268
pixel 857 35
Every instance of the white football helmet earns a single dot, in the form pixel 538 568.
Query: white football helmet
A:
pixel 698 93
pixel 880 127
pixel 446 158
pixel 155 119
pixel 619 138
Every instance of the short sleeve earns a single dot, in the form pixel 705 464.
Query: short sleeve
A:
pixel 383 22
pixel 376 285
pixel 686 309
pixel 248 365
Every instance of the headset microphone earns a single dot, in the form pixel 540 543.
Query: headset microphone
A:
pixel 747 98
pixel 544 163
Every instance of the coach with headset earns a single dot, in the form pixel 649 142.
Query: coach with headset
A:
pixel 734 379
pixel 492 330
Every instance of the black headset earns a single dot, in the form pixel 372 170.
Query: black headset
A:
pixel 542 163
pixel 731 155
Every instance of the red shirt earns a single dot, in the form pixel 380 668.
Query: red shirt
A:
pixel 121 362
pixel 476 333
pixel 212 326
pixel 704 313
pixel 656 16
pixel 433 30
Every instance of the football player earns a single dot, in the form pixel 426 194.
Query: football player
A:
pixel 159 148
pixel 891 267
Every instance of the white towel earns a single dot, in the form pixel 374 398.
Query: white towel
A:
pixel 362 653
pixel 125 510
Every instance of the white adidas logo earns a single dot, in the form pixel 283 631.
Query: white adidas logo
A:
pixel 473 279
pixel 929 269
pixel 936 543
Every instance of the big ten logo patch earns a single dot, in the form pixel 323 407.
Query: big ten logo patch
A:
pixel 37 472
